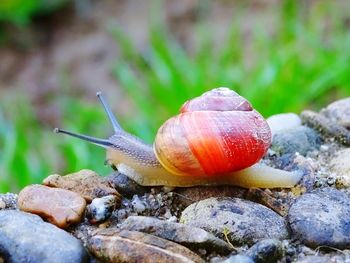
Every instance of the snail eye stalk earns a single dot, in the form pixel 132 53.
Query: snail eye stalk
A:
pixel 115 124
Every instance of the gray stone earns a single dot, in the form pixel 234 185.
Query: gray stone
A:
pixel 237 259
pixel 322 217
pixel 300 139
pixel 339 111
pixel 241 221
pixel 191 237
pixel 27 238
pixel 126 186
pixel 283 121
pixel 10 200
pixel 266 251
pixel 314 259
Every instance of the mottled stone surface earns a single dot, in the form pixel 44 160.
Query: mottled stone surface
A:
pixel 27 238
pixel 86 183
pixel 101 209
pixel 315 259
pixel 340 166
pixel 339 111
pixel 266 251
pixel 131 246
pixel 190 195
pixel 10 200
pixel 322 217
pixel 300 139
pixel 283 121
pixel 191 237
pixel 242 221
pixel 326 127
pixel 58 206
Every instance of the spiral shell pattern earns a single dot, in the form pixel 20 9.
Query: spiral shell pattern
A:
pixel 214 134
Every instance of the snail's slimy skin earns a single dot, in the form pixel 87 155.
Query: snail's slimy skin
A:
pixel 139 163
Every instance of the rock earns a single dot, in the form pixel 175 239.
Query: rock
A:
pixel 138 205
pixel 326 127
pixel 242 221
pixel 237 259
pixel 87 183
pixel 58 206
pixel 283 121
pixel 315 259
pixel 126 186
pixel 191 237
pixel 266 251
pixel 300 139
pixel 340 165
pixel 27 238
pixel 339 111
pixel 322 218
pixel 190 195
pixel 2 204
pixel 10 200
pixel 265 198
pixel 112 245
pixel 101 209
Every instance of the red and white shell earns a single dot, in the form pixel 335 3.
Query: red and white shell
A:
pixel 214 134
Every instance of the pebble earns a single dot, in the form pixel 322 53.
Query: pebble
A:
pixel 86 183
pixel 321 217
pixel 266 251
pixel 58 206
pixel 126 186
pixel 339 111
pixel 2 204
pixel 10 200
pixel 27 238
pixel 295 140
pixel 138 205
pixel 283 121
pixel 191 237
pixel 241 221
pixel 340 165
pixel 236 259
pixel 326 127
pixel 315 259
pixel 101 209
pixel 112 245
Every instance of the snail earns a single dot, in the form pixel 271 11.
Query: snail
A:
pixel 217 139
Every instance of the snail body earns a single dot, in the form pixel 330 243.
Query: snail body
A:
pixel 218 138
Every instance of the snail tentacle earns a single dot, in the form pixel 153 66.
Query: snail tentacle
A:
pixel 115 124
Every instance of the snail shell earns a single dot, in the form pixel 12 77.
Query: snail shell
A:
pixel 215 134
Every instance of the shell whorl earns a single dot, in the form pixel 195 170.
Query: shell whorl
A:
pixel 214 134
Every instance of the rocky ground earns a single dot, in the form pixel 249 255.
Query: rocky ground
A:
pixel 83 217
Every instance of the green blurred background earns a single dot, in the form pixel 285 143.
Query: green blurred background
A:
pixel 149 57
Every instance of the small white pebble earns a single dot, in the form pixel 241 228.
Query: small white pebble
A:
pixel 2 204
pixel 138 205
pixel 324 148
pixel 172 219
pixel 283 121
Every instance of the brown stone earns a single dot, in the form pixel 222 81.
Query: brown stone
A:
pixel 58 206
pixel 112 245
pixel 262 197
pixel 87 183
